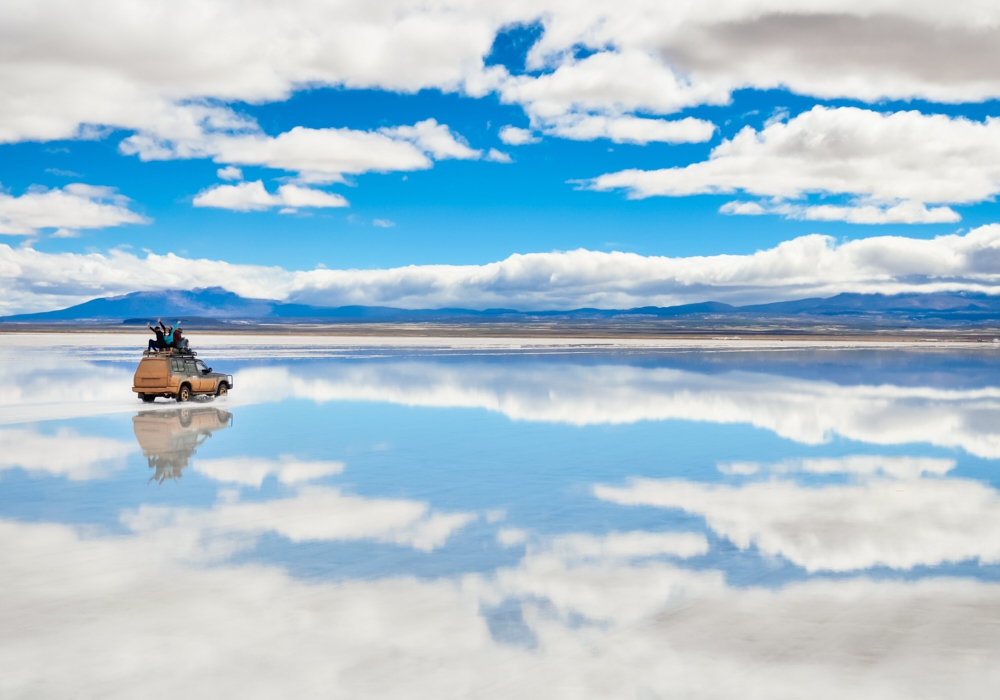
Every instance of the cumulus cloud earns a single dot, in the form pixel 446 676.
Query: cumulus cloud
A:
pixel 907 212
pixel 313 514
pixel 251 196
pixel 496 156
pixel 895 163
pixel 51 382
pixel 230 172
pixel 515 136
pixel 895 522
pixel 76 206
pixel 631 129
pixel 685 632
pixel 251 471
pixel 809 266
pixel 63 453
pixel 610 84
pixel 61 74
pixel 807 412
pixel 317 155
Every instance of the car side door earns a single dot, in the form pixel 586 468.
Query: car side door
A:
pixel 193 376
pixel 206 382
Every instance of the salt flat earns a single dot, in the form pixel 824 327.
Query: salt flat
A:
pixel 441 517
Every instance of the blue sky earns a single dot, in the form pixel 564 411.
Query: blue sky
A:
pixel 769 139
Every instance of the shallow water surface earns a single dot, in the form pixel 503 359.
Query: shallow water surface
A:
pixel 501 520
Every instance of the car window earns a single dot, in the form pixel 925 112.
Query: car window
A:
pixel 177 365
pixel 202 367
pixel 190 368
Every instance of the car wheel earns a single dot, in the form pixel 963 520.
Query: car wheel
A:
pixel 147 398
pixel 184 393
pixel 222 390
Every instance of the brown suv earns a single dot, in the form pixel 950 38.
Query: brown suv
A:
pixel 179 377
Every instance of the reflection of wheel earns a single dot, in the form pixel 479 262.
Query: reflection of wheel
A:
pixel 147 398
pixel 184 393
pixel 222 390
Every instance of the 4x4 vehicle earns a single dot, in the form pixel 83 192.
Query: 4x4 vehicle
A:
pixel 179 377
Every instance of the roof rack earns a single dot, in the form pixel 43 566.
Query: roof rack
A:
pixel 170 352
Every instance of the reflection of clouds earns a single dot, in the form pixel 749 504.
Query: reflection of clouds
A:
pixel 807 411
pixel 251 471
pixel 897 522
pixel 804 410
pixel 313 514
pixel 629 545
pixel 63 453
pixel 115 617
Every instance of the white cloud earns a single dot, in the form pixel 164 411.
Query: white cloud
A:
pixel 63 453
pixel 67 210
pixel 894 162
pixel 61 75
pixel 435 139
pixel 631 129
pixel 496 156
pixel 809 266
pixel 895 522
pixel 313 514
pixel 383 223
pixel 515 136
pixel 49 381
pixel 251 196
pixel 317 155
pixel 907 212
pixel 807 412
pixel 608 82
pixel 662 630
pixel 251 471
pixel 229 172
pixel 627 545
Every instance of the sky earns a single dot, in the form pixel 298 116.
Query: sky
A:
pixel 538 155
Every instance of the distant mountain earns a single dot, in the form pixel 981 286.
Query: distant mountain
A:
pixel 215 305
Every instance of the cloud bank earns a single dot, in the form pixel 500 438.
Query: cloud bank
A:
pixel 893 163
pixel 70 65
pixel 606 621
pixel 76 206
pixel 809 266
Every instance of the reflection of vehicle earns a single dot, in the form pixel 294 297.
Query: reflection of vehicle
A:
pixel 169 438
pixel 180 377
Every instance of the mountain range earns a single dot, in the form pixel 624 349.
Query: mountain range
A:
pixel 214 305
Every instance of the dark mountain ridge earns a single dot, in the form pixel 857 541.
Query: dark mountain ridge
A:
pixel 215 305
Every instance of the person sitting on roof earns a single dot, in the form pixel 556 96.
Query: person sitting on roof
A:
pixel 177 339
pixel 158 343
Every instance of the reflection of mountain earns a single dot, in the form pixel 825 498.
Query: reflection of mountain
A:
pixel 169 438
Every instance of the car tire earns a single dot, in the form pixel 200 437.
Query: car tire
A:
pixel 147 398
pixel 222 390
pixel 184 393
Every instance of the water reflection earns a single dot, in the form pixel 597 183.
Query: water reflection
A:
pixel 345 537
pixel 947 405
pixel 170 438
